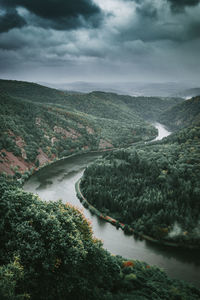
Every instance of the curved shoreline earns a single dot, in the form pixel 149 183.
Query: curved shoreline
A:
pixel 51 162
pixel 33 170
pixel 125 227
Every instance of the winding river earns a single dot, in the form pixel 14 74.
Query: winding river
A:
pixel 57 181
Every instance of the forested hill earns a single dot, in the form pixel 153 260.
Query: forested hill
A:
pixel 47 249
pixel 154 188
pixel 31 91
pixel 40 124
pixel 101 104
pixel 150 108
pixel 182 114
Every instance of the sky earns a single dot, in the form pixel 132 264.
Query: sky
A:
pixel 100 40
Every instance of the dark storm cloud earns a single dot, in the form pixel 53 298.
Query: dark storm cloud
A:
pixel 60 14
pixel 154 21
pixel 10 19
pixel 147 10
pixel 179 5
pixel 138 39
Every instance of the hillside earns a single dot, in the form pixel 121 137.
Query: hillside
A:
pixel 150 108
pixel 47 249
pixel 40 124
pixel 100 104
pixel 154 188
pixel 96 104
pixel 182 114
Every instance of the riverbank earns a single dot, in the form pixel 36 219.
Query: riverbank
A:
pixel 69 244
pixel 57 181
pixel 125 227
pixel 33 171
pixel 26 175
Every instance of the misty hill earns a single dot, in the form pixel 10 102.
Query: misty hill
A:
pixel 99 104
pixel 182 114
pixel 150 108
pixel 147 89
pixel 189 93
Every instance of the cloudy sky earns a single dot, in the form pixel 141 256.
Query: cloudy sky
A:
pixel 100 40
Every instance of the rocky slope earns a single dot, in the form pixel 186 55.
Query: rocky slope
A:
pixel 39 125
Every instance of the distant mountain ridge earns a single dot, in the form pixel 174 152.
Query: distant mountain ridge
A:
pixel 183 114
pixel 168 89
pixel 189 93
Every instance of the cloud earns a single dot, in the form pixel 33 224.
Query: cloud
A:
pixel 138 39
pixel 10 19
pixel 153 20
pixel 147 9
pixel 59 15
pixel 180 5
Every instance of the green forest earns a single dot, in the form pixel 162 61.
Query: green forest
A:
pixel 48 252
pixel 153 188
pixel 183 114
pixel 47 249
pixel 36 120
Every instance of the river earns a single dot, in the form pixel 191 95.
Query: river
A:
pixel 57 181
pixel 162 131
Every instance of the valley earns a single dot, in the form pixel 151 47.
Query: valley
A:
pixel 50 139
pixel 58 182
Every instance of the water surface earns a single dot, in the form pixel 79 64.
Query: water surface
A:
pixel 57 181
pixel 162 131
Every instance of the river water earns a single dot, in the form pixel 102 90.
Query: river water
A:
pixel 162 131
pixel 57 181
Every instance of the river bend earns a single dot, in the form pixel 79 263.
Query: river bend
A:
pixel 57 181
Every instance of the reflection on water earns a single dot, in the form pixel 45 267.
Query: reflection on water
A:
pixel 44 185
pixel 57 181
pixel 183 255
pixel 68 175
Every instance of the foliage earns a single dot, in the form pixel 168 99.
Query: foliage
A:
pixel 55 246
pixel 150 108
pixel 47 251
pixel 154 188
pixel 182 115
pixel 34 118
pixel 10 277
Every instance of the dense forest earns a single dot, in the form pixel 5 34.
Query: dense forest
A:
pixel 40 124
pixel 154 188
pixel 101 104
pixel 47 251
pixel 182 115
